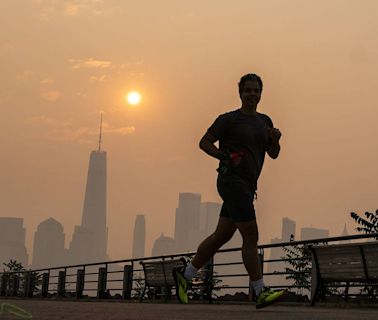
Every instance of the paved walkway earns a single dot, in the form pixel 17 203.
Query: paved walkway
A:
pixel 73 310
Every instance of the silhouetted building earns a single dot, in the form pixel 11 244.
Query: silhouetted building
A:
pixel 275 254
pixel 163 246
pixel 139 238
pixel 209 216
pixel 313 233
pixel 187 234
pixel 89 240
pixel 288 230
pixel 345 233
pixel 288 233
pixel 48 250
pixel 12 241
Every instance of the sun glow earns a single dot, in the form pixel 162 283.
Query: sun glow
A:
pixel 133 98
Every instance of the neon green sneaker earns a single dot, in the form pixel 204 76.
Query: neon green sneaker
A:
pixel 181 285
pixel 267 297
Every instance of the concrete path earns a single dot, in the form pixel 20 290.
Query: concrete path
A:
pixel 73 310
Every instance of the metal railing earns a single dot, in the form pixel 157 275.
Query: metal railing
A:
pixel 124 279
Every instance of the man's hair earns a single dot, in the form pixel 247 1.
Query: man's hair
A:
pixel 249 77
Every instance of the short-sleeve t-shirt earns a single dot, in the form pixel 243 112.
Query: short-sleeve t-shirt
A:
pixel 239 132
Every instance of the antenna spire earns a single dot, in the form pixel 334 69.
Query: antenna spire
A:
pixel 100 138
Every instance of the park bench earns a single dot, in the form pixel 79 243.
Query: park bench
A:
pixel 349 263
pixel 159 278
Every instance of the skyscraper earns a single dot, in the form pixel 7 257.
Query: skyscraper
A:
pixel 275 253
pixel 89 241
pixel 187 234
pixel 209 216
pixel 139 238
pixel 345 233
pixel 163 245
pixel 288 229
pixel 288 233
pixel 12 241
pixel 48 247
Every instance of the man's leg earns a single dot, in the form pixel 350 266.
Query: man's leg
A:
pixel 265 296
pixel 222 234
pixel 250 237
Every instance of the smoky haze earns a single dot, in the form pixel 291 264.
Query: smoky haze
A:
pixel 63 63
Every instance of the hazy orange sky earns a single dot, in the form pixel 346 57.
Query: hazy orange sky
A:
pixel 64 62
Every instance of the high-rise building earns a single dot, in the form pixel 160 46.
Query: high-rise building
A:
pixel 314 233
pixel 163 246
pixel 276 253
pixel 288 230
pixel 187 232
pixel 89 240
pixel 209 216
pixel 48 250
pixel 139 238
pixel 345 233
pixel 288 233
pixel 12 241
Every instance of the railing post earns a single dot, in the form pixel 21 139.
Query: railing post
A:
pixel 101 284
pixel 28 285
pixel 261 260
pixel 4 284
pixel 15 284
pixel 208 279
pixel 127 281
pixel 62 283
pixel 45 284
pixel 80 280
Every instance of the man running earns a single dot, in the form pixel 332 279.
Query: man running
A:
pixel 244 136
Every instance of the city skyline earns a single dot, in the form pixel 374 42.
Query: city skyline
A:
pixel 61 256
pixel 65 62
pixel 203 223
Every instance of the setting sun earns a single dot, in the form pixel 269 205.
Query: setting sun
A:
pixel 133 98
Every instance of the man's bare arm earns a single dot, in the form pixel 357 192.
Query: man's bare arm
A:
pixel 274 148
pixel 207 145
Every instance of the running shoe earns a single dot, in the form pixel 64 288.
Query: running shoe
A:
pixel 182 285
pixel 267 297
